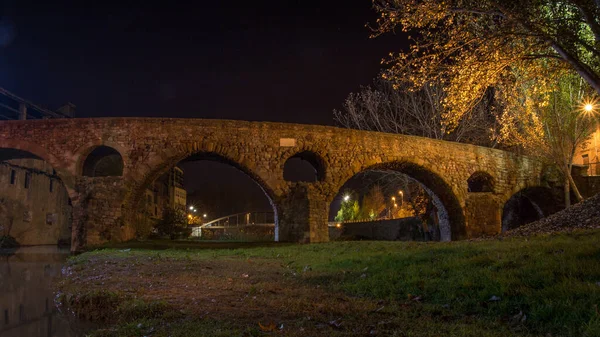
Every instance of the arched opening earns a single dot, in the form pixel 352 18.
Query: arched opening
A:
pixel 103 161
pixel 35 208
pixel 304 166
pixel 206 196
pixel 397 201
pixel 480 182
pixel 528 205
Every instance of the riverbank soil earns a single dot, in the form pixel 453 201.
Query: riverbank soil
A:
pixel 538 286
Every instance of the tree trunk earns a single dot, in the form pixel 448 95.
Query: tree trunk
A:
pixel 582 69
pixel 574 186
pixel 567 193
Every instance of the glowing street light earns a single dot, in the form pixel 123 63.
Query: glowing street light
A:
pixel 191 208
pixel 346 197
pixel 589 106
pixel 204 215
pixel 195 210
pixel 393 198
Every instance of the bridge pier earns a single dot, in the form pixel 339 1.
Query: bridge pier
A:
pixel 483 214
pixel 303 215
pixel 97 211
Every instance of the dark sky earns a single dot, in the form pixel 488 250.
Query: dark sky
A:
pixel 289 61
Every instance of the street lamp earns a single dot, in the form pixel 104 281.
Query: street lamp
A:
pixel 204 215
pixel 346 197
pixel 589 106
pixel 191 208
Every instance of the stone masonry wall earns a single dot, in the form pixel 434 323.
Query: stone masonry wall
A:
pixel 150 147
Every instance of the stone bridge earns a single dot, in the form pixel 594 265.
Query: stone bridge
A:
pixel 105 208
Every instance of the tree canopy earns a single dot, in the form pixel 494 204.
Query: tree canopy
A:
pixel 473 45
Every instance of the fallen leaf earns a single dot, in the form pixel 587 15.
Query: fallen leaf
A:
pixel 270 327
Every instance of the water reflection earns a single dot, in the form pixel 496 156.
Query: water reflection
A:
pixel 26 295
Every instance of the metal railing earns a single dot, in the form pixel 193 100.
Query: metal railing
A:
pixel 238 220
pixel 15 107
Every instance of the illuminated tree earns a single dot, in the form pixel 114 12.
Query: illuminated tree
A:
pixel 349 210
pixel 551 124
pixel 472 45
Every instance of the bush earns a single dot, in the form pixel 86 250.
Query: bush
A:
pixel 173 224
pixel 7 241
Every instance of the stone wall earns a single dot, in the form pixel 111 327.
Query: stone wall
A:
pixel 484 213
pixel 150 147
pixel 39 213
pixel 405 229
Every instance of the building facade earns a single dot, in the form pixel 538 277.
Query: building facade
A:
pixel 166 192
pixel 588 156
pixel 34 204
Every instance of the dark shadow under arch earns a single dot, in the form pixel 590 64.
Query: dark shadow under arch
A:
pixel 304 166
pixel 135 199
pixel 434 184
pixel 103 161
pixel 528 205
pixel 480 182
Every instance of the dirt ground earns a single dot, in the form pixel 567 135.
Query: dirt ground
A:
pixel 250 293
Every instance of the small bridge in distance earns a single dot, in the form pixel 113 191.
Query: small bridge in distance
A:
pixel 237 221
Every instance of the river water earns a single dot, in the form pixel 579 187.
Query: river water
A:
pixel 27 306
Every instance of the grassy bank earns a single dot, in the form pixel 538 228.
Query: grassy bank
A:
pixel 541 286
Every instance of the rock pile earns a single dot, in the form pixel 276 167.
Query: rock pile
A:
pixel 581 216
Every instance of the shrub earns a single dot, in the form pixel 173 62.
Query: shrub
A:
pixel 7 241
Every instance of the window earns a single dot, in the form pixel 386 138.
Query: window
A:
pixel 51 185
pixel 13 177
pixel 27 179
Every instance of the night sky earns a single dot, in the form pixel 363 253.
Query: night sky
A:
pixel 285 61
pixel 288 61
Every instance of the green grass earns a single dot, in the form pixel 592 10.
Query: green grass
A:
pixel 554 281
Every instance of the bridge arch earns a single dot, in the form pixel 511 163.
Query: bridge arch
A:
pixel 304 164
pixel 135 199
pixel 101 159
pixel 31 148
pixel 528 205
pixel 479 182
pixel 434 185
